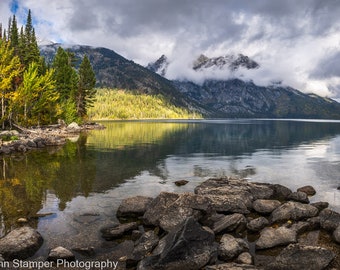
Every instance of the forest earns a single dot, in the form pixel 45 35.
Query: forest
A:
pixel 33 93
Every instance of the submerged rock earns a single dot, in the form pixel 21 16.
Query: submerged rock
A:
pixel 20 243
pixel 297 257
pixel 118 230
pixel 60 253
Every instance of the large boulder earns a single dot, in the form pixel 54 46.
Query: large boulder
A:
pixel 297 257
pixel 294 211
pixel 271 237
pixel 134 206
pixel 20 243
pixel 187 246
pixel 168 210
pixel 230 247
pixel 233 195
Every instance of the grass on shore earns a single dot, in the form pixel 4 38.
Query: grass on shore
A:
pixel 117 104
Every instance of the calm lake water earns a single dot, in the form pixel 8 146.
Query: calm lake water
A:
pixel 69 193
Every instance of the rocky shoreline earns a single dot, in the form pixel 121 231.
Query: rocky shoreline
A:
pixel 21 140
pixel 224 224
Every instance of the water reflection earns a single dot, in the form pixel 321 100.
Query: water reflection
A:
pixel 82 183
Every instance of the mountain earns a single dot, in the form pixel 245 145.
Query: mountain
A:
pixel 114 71
pixel 212 98
pixel 238 98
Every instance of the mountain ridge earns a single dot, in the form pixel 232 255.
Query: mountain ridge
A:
pixel 228 98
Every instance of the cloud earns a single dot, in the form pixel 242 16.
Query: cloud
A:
pixel 288 38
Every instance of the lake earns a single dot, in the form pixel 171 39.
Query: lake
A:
pixel 70 192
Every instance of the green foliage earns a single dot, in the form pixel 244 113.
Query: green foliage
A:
pixel 119 104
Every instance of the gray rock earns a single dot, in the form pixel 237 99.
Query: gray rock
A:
pixel 168 210
pixel 309 190
pixel 134 206
pixel 20 243
pixel 228 186
pixel 301 227
pixel 230 247
pixel 118 230
pixel 329 219
pixel 320 205
pixel 245 258
pixel 266 206
pixel 60 253
pixel 280 192
pixel 73 126
pixel 187 246
pixel 229 223
pixel 270 237
pixel 336 234
pixel 143 246
pixel 232 266
pixel 257 224
pixel 299 197
pixel 230 203
pixel 294 211
pixel 297 257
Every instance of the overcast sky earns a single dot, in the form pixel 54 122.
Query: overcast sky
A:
pixel 295 41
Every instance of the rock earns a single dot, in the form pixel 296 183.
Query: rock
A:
pixel 168 210
pixel 231 266
pixel 143 246
pixel 271 237
pixel 118 230
pixel 338 188
pixel 336 234
pixel 60 253
pixel 73 126
pixel 187 246
pixel 245 258
pixel 240 187
pixel 134 206
pixel 181 182
pixel 265 206
pixel 136 234
pixel 297 257
pixel 228 223
pixel 20 243
pixel 257 224
pixel 230 203
pixel 22 220
pixel 309 190
pixel 299 197
pixel 230 247
pixel 301 227
pixel 320 205
pixel 86 251
pixel 329 219
pixel 280 192
pixel 294 211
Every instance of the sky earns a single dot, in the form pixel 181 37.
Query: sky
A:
pixel 295 42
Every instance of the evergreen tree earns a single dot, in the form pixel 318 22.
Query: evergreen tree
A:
pixel 31 51
pixel 86 91
pixel 14 35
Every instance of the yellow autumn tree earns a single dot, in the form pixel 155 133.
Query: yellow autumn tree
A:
pixel 10 70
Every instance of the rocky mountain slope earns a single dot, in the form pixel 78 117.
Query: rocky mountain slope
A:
pixel 213 98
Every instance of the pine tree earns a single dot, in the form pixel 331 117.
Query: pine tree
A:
pixel 86 91
pixel 31 51
pixel 14 35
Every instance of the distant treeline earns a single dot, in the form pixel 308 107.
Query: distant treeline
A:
pixel 120 104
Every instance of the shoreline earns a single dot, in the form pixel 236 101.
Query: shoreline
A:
pixel 224 223
pixel 13 141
